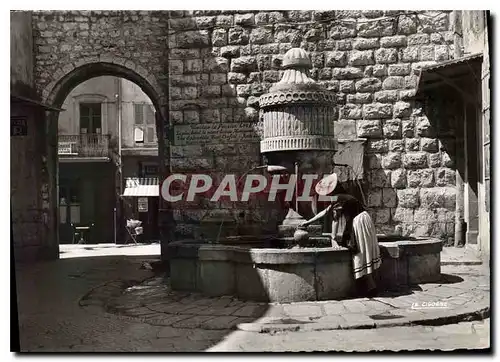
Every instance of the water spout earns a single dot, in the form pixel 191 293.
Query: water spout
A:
pixel 269 168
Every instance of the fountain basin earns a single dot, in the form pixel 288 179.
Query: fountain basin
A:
pixel 252 270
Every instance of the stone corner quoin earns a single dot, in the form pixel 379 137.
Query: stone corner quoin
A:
pixel 221 62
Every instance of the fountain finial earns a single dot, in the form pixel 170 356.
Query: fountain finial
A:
pixel 297 58
pixel 296 63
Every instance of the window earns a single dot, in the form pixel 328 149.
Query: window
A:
pixel 150 170
pixel 90 118
pixel 145 124
pixel 69 201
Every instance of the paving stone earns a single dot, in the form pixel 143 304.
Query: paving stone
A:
pixel 334 308
pixel 171 308
pixel 326 323
pixel 140 311
pixel 197 310
pixel 481 326
pixel 416 315
pixel 219 311
pixel 236 303
pixel 193 298
pixel 464 341
pixel 375 306
pixel 356 320
pixel 250 311
pixel 354 306
pixel 299 310
pixel 221 302
pixel 168 332
pixel 206 335
pixel 400 302
pixel 160 320
pixel 429 286
pixel 459 328
pixel 464 286
pixel 275 311
pixel 443 292
pixel 456 301
pixel 220 322
pixel 241 320
pixel 170 319
pixel 203 302
pixel 193 322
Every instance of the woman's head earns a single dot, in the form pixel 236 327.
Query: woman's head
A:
pixel 345 204
pixel 337 211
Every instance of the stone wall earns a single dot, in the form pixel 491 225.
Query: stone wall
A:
pixel 33 213
pixel 221 62
pixel 21 45
pixel 66 40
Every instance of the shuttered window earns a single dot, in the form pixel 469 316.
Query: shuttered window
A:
pixel 144 118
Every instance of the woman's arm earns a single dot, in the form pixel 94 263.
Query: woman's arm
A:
pixel 335 227
pixel 317 217
pixel 314 205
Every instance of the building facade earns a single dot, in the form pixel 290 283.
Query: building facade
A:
pixel 474 31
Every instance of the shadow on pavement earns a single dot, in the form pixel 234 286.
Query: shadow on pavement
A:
pixel 52 317
pixel 450 279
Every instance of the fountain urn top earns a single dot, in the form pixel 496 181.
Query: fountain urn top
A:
pixel 297 113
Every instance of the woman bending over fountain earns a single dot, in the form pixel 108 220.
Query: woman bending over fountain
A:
pixel 353 228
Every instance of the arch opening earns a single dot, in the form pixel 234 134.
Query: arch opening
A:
pixel 85 72
pixel 148 161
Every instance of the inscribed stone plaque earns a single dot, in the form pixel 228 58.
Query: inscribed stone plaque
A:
pixel 214 133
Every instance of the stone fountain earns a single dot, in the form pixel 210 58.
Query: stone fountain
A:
pixel 297 116
pixel 298 121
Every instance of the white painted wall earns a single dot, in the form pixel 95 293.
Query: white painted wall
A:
pixel 105 89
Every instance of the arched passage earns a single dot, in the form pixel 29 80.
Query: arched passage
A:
pixel 56 92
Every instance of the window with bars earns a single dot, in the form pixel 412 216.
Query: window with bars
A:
pixel 145 124
pixel 90 118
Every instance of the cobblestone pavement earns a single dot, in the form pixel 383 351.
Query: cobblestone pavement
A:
pixel 72 305
pixel 462 294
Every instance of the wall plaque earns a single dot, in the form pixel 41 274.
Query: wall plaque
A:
pixel 350 153
pixel 215 133
pixel 18 126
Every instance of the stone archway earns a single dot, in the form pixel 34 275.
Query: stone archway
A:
pixel 57 91
pixel 64 81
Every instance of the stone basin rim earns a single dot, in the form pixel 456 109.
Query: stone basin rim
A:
pixel 307 255
pixel 228 246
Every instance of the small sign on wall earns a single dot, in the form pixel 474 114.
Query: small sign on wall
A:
pixel 142 204
pixel 18 126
